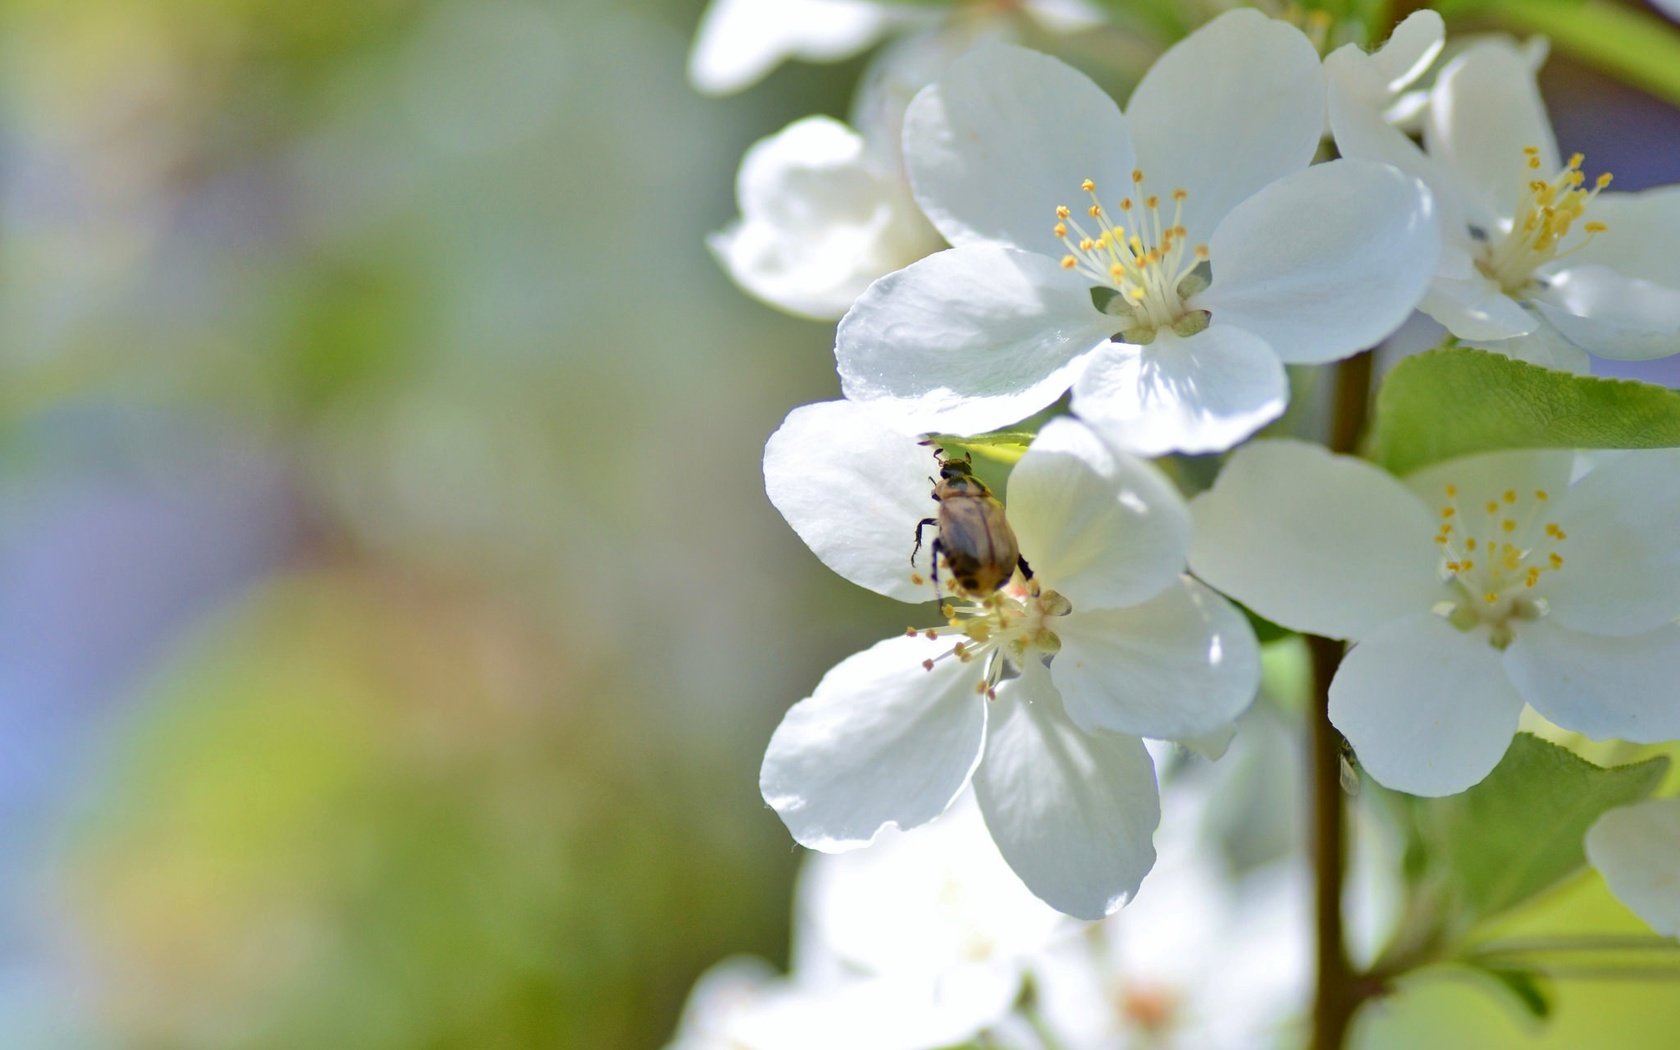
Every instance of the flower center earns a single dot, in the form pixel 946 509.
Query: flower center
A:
pixel 1142 263
pixel 1001 630
pixel 1543 220
pixel 1152 1008
pixel 1495 556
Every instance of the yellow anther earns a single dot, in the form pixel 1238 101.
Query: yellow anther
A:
pixel 1470 544
pixel 1604 180
pixel 1508 525
pixel 1555 559
pixel 1595 227
pixel 1447 512
pixel 1534 161
pixel 1510 495
pixel 1125 204
pixel 1575 160
pixel 1201 252
pixel 1181 195
pixel 1491 598
pixel 1452 566
pixel 1452 491
pixel 1152 201
pixel 927 665
pixel 1086 244
pixel 1540 494
pixel 1088 186
pixel 1117 272
pixel 1467 564
pixel 1439 539
pixel 1493 506
pixel 1095 210
pixel 1062 211
pixel 1069 262
pixel 1137 175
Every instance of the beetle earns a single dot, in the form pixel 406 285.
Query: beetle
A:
pixel 974 537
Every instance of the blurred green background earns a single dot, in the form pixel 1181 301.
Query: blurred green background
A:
pixel 391 616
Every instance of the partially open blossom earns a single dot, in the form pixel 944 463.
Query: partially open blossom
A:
pixel 1039 693
pixel 1469 588
pixel 1166 263
pixel 1533 245
pixel 1637 850
pixel 823 214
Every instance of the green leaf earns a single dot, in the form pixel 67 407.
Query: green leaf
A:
pixel 1455 402
pixel 1519 832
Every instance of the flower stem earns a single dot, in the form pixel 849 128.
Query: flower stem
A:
pixel 1335 993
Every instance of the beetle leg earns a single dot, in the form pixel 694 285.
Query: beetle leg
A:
pixel 938 549
pixel 920 525
pixel 1026 570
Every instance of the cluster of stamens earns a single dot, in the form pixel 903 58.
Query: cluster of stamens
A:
pixel 1001 629
pixel 1143 256
pixel 1489 559
pixel 1543 221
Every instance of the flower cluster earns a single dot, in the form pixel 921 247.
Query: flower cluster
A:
pixel 999 234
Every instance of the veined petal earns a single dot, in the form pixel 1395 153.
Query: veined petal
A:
pixel 968 339
pixel 1473 307
pixel 1319 543
pixel 739 41
pixel 1071 812
pixel 1428 708
pixel 1002 138
pixel 1640 231
pixel 854 490
pixel 1228 109
pixel 1612 315
pixel 881 741
pixel 1622 687
pixel 1203 393
pixel 1637 850
pixel 1325 262
pixel 1183 664
pixel 1101 527
pixel 1484 111
pixel 1621 560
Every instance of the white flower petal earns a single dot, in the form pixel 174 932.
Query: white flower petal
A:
pixel 1002 138
pixel 739 41
pixel 1319 543
pixel 1414 44
pixel 1233 106
pixel 1071 812
pixel 1612 315
pixel 1622 687
pixel 881 742
pixel 882 1014
pixel 1621 571
pixel 968 339
pixel 1102 527
pixel 854 490
pixel 1356 93
pixel 1200 394
pixel 1428 708
pixel 1325 262
pixel 1473 307
pixel 1484 111
pixel 1637 850
pixel 819 221
pixel 1640 232
pixel 1183 664
pixel 1488 475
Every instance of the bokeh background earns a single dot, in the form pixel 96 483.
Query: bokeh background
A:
pixel 391 617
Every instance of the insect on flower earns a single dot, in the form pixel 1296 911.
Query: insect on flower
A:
pixel 974 538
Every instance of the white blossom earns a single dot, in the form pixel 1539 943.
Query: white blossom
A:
pixel 1039 693
pixel 1471 587
pixel 1165 263
pixel 1533 249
